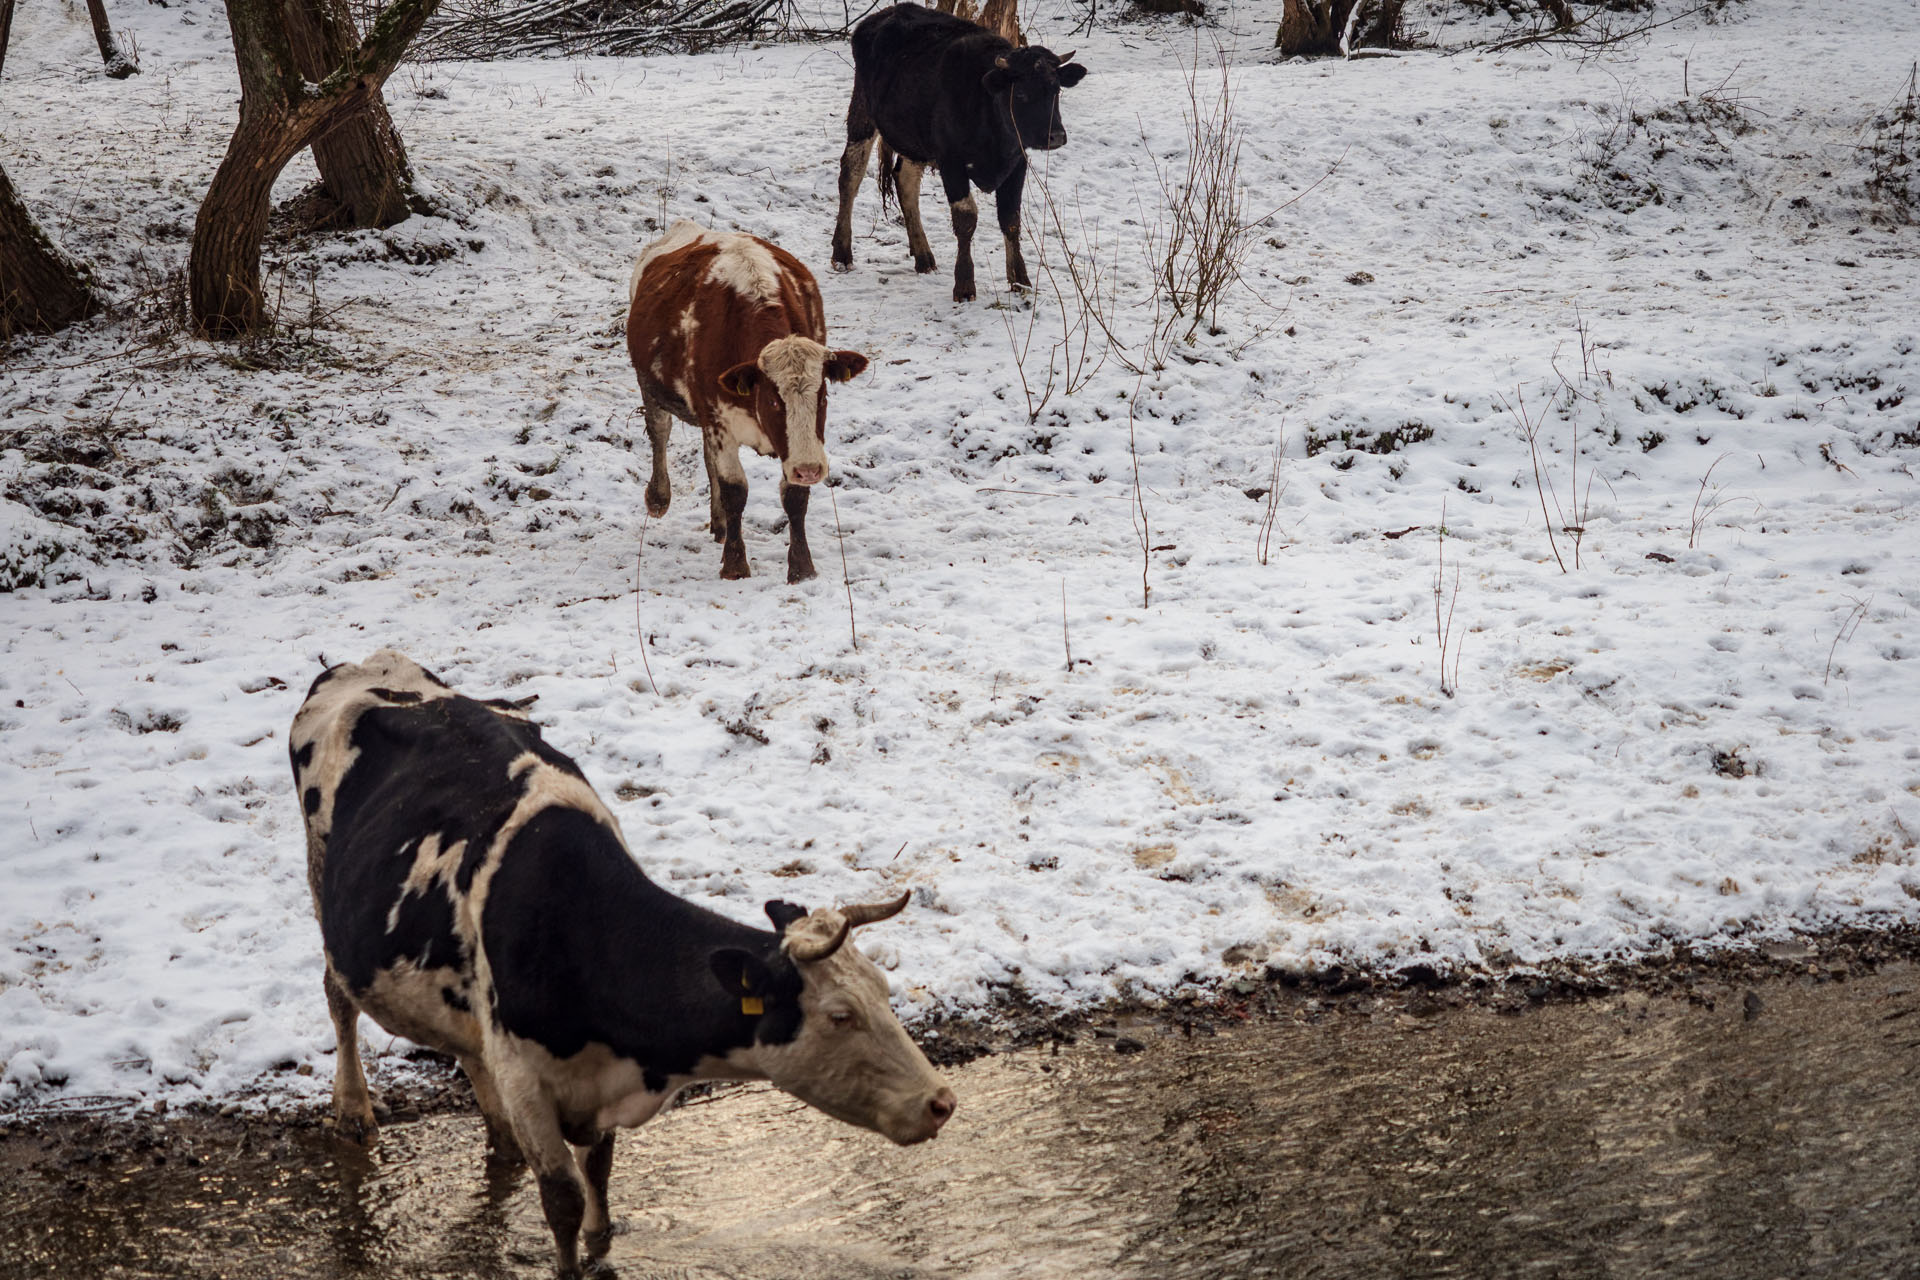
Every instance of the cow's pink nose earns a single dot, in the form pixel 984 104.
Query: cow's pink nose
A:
pixel 941 1108
pixel 807 475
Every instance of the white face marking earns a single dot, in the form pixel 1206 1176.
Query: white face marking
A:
pixel 852 1058
pixel 797 367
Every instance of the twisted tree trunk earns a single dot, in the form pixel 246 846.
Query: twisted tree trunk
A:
pixel 41 289
pixel 364 177
pixel 280 113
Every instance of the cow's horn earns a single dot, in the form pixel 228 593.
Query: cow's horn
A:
pixel 805 946
pixel 1001 62
pixel 861 913
pixel 1066 57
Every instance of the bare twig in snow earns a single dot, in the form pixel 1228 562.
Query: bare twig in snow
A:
pixel 638 629
pixel 1443 617
pixel 845 580
pixel 1848 626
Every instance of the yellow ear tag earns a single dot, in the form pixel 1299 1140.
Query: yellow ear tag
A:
pixel 752 1004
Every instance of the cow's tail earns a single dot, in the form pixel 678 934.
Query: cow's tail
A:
pixel 889 169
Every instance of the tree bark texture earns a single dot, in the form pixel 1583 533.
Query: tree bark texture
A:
pixel 363 164
pixel 6 30
pixel 280 113
pixel 120 60
pixel 41 289
pixel 1309 27
pixel 1002 18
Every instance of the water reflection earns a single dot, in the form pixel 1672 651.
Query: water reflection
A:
pixel 1631 1137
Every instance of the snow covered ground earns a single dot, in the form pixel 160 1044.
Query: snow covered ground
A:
pixel 1666 258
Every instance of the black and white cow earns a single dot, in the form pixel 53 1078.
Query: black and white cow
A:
pixel 943 91
pixel 475 895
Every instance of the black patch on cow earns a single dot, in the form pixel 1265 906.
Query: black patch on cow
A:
pixel 398 696
pixel 302 757
pixel 310 801
pixel 433 768
pixel 585 949
pixel 654 1079
pixel 455 1000
pixel 321 679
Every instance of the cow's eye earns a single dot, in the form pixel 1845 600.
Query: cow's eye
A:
pixel 841 1019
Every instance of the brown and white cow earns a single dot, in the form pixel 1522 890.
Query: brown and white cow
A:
pixel 727 332
pixel 475 895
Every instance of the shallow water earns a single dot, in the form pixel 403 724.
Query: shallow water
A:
pixel 1618 1138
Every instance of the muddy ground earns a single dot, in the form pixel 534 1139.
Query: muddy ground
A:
pixel 1747 1117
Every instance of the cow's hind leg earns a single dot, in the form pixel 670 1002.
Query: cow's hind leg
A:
pixel 966 216
pixel 908 185
pixel 486 1094
pixel 596 1164
pixel 793 499
pixel 352 1104
pixel 853 168
pixel 1006 203
pixel 729 497
pixel 659 485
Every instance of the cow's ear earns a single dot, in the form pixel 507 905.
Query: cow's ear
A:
pixel 1071 74
pixel 784 913
pixel 739 381
pixel 741 973
pixel 845 365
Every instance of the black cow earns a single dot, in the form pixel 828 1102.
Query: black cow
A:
pixel 943 91
pixel 475 896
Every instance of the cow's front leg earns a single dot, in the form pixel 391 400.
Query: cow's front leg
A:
pixel 793 499
pixel 716 517
pixel 659 427
pixel 1006 203
pixel 596 1164
pixel 352 1104
pixel 966 216
pixel 730 490
pixel 563 1194
pixel 908 186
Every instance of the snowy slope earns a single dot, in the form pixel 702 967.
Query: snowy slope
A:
pixel 1665 258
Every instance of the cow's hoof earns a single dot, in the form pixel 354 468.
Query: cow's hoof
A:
pixel 733 570
pixel 838 265
pixel 923 263
pixel 800 573
pixel 963 293
pixel 657 503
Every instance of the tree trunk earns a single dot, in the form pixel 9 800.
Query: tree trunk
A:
pixel 280 113
pixel 1312 26
pixel 120 61
pixel 6 30
pixel 1001 18
pixel 364 177
pixel 41 289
